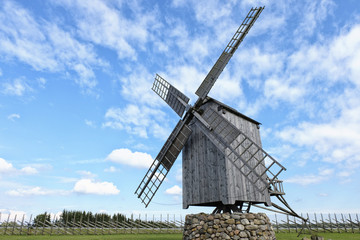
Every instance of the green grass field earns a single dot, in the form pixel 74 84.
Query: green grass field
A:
pixel 279 236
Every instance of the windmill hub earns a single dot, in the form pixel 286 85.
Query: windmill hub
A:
pixel 224 165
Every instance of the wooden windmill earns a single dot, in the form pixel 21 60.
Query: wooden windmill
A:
pixel 224 165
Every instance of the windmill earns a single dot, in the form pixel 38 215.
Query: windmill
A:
pixel 224 165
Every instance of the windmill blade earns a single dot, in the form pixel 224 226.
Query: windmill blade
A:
pixel 163 162
pixel 257 165
pixel 230 49
pixel 176 99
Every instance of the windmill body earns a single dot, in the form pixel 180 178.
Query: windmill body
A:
pixel 210 177
pixel 224 165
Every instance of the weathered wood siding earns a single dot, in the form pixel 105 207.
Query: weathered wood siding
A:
pixel 203 171
pixel 209 177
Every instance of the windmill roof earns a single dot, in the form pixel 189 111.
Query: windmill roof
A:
pixel 232 110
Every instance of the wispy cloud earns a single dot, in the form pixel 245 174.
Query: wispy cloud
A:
pixel 139 120
pixel 45 46
pixel 322 175
pixel 17 87
pixel 13 116
pixel 35 191
pixel 104 23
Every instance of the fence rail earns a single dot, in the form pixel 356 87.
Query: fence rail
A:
pixel 21 224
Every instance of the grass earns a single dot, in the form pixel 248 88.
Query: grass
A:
pixel 327 236
pixel 162 236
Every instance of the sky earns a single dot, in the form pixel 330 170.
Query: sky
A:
pixel 80 125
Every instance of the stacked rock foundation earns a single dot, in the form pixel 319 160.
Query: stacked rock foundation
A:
pixel 242 226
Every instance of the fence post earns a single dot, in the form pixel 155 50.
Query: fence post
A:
pixel 7 223
pixel 276 222
pixel 168 227
pixel 322 221
pixel 337 223
pixel 174 224
pixel 330 223
pixel 351 224
pixel 29 225
pixel 81 217
pixel 288 222
pixel 132 221
pixel 22 222
pixel 13 228
pixel 342 217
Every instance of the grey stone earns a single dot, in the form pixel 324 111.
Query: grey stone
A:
pixel 245 221
pixel 240 227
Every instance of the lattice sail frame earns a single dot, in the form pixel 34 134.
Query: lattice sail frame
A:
pixel 230 49
pixel 176 99
pixel 241 148
pixel 163 163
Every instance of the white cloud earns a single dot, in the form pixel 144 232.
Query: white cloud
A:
pixel 175 190
pixel 86 174
pixel 13 116
pixel 337 140
pixel 17 88
pixel 111 169
pixel 28 170
pixel 179 175
pixel 103 23
pixel 323 175
pixel 6 167
pixel 41 81
pixel 34 191
pixel 45 47
pixel 138 120
pixel 89 186
pixel 127 157
pixel 305 179
pixel 90 123
pixel 314 13
pixel 280 89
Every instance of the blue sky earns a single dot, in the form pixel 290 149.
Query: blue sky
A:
pixel 79 124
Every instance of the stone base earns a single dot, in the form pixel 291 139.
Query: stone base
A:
pixel 242 226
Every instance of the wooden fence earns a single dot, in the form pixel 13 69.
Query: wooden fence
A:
pixel 27 225
pixel 317 222
pixel 15 224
